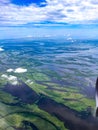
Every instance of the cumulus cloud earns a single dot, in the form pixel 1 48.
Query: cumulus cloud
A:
pixel 10 70
pixel 17 70
pixel 20 70
pixel 12 79
pixel 4 76
pixel 60 11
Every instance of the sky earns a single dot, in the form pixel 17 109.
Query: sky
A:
pixel 27 18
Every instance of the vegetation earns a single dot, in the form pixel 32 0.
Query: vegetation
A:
pixel 49 75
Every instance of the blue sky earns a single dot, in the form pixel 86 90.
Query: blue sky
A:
pixel 40 3
pixel 47 16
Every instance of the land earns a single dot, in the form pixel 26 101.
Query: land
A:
pixel 40 103
pixel 55 93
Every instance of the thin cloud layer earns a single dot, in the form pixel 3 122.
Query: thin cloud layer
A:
pixel 55 11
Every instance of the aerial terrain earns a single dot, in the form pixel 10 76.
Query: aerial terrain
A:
pixel 48 64
pixel 48 84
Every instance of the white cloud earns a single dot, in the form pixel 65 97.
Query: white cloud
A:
pixel 4 76
pixel 66 11
pixel 12 79
pixel 17 70
pixel 20 70
pixel 10 70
